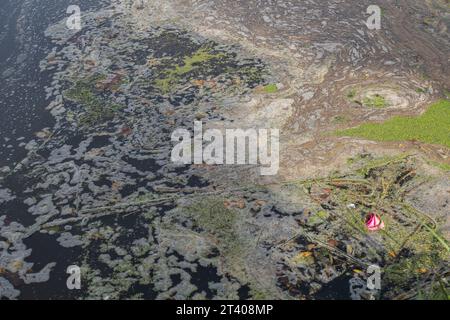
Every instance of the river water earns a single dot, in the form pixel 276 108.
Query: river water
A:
pixel 86 174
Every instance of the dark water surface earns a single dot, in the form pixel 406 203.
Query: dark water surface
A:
pixel 22 46
pixel 22 103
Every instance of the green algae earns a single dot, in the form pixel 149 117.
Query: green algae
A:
pixel 96 110
pixel 172 76
pixel 184 66
pixel 252 74
pixel 270 88
pixel 55 229
pixel 421 90
pixel 340 119
pixel 376 101
pixel 431 127
pixel 318 218
pixel 440 165
pixel 303 259
pixel 351 94
pixel 259 295
pixel 212 216
pixel 119 271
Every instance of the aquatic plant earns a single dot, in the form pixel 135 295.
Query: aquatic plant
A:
pixel 431 127
pixel 172 76
pixel 96 109
pixel 211 215
pixel 351 93
pixel 376 101
pixel 270 88
pixel 409 249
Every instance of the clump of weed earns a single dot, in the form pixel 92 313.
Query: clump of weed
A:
pixel 431 127
pixel 421 90
pixel 447 93
pixel 270 88
pixel 340 119
pixel 96 109
pixel 376 101
pixel 210 64
pixel 440 165
pixel 351 94
pixel 409 248
pixel 212 216
pixel 172 76
pixel 251 74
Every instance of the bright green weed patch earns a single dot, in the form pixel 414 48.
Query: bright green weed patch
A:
pixel 431 127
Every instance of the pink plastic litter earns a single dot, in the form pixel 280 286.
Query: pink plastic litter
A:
pixel 374 222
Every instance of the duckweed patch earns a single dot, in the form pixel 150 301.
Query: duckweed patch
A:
pixel 431 127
